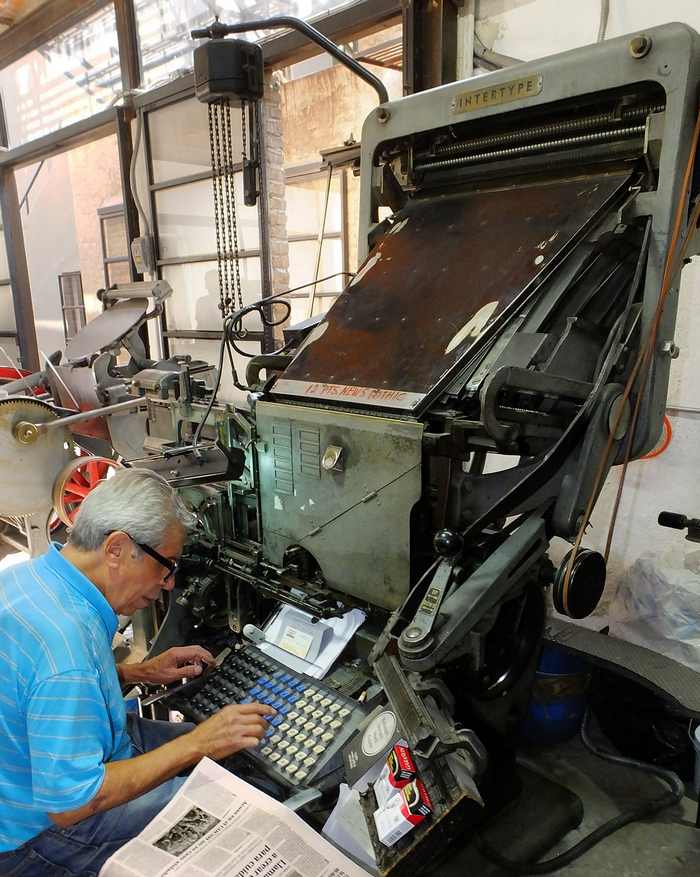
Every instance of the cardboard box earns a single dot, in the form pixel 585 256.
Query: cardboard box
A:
pixel 403 813
pixel 398 771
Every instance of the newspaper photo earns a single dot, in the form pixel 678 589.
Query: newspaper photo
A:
pixel 220 825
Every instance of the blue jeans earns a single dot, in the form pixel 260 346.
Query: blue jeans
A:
pixel 82 849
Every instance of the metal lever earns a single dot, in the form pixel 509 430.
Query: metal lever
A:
pixel 681 522
pixel 27 432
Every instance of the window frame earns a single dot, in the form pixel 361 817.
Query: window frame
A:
pixel 306 173
pixel 112 212
pixel 53 18
pixel 80 308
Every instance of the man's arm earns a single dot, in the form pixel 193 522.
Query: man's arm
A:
pixel 177 663
pixel 231 729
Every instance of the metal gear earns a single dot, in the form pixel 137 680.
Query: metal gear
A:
pixel 28 471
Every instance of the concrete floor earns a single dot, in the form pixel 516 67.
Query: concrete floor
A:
pixel 668 846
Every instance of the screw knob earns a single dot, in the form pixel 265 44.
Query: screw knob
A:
pixel 447 543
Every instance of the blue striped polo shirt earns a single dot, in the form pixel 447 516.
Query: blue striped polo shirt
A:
pixel 61 709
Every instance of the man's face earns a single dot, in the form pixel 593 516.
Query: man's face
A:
pixel 134 578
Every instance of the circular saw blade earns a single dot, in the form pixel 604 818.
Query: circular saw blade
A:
pixel 28 472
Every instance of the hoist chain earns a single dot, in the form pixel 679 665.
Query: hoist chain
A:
pixel 218 206
pixel 225 219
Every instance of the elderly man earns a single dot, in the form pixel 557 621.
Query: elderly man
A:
pixel 77 780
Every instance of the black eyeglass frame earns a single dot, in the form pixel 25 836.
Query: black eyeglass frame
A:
pixel 171 565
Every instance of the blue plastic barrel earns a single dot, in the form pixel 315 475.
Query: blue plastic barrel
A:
pixel 559 697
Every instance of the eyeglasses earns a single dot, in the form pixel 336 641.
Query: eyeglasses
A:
pixel 171 565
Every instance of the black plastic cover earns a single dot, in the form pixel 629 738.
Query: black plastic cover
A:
pixel 230 69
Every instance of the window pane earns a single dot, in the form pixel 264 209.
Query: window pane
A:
pixel 9 353
pixel 180 139
pixel 62 229
pixel 186 220
pixel 300 307
pixel 118 272
pixel 4 268
pixel 302 264
pixel 114 229
pixel 194 303
pixel 7 312
pixel 67 79
pixel 164 27
pixel 305 200
pixel 209 352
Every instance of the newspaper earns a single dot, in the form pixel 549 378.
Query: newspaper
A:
pixel 219 824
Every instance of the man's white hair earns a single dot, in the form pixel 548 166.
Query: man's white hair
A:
pixel 138 502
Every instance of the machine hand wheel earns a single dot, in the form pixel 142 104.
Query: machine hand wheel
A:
pixel 75 481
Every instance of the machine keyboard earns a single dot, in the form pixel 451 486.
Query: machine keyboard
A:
pixel 305 739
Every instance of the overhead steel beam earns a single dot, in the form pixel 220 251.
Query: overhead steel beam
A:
pixel 99 125
pixel 19 273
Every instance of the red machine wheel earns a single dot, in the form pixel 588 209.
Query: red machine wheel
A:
pixel 75 481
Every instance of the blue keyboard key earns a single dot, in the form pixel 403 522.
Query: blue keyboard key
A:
pixel 277 721
pixel 263 680
pixel 287 678
pixel 269 733
pixel 247 700
pixel 277 688
pixel 256 691
pixel 294 697
pixel 277 703
pixel 300 686
pixel 285 709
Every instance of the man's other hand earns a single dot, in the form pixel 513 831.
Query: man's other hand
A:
pixel 231 729
pixel 179 662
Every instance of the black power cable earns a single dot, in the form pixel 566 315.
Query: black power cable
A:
pixel 643 811
pixel 233 331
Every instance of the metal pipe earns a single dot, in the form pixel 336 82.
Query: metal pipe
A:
pixel 97 412
pixel 27 432
pixel 217 30
pixel 319 242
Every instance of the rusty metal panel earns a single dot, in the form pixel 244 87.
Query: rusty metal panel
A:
pixel 453 266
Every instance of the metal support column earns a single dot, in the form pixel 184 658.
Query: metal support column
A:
pixel 431 32
pixel 18 270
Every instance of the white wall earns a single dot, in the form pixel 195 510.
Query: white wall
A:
pixel 51 244
pixel 529 29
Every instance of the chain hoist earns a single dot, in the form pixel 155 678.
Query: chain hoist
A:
pixel 225 218
pixel 226 72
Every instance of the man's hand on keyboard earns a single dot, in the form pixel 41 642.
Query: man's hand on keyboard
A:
pixel 233 728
